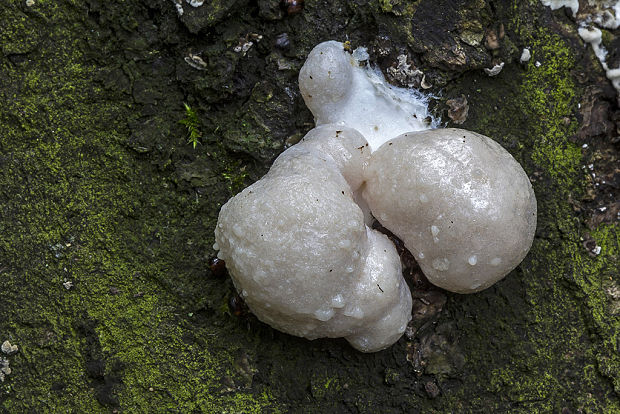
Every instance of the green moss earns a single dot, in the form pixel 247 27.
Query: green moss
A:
pixel 385 5
pixel 562 331
pixel 323 387
pixel 400 8
pixel 79 206
pixel 21 35
pixel 607 39
pixel 235 176
pixel 549 94
pixel 192 124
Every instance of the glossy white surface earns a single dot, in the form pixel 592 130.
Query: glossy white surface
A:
pixel 297 248
pixel 459 201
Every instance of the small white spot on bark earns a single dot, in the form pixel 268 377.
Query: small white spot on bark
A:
pixel 525 55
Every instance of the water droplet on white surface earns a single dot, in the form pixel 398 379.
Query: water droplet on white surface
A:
pixel 441 264
pixel 259 276
pixel 324 314
pixel 345 244
pixel 356 313
pixel 237 230
pixel 338 301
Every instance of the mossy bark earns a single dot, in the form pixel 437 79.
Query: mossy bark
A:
pixel 107 213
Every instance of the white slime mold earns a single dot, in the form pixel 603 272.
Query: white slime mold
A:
pixel 297 243
pixel 337 88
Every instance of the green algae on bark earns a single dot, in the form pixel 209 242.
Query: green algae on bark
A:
pixel 79 206
pixel 565 335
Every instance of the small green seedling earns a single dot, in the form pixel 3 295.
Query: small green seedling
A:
pixel 191 123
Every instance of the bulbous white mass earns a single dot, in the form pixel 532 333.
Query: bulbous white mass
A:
pixel 298 251
pixel 460 202
pixel 297 244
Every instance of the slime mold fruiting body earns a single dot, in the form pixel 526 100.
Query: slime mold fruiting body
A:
pixel 297 242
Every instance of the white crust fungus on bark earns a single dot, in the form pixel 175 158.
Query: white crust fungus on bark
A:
pixel 297 242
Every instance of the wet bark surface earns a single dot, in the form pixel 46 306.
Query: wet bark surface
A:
pixel 107 207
